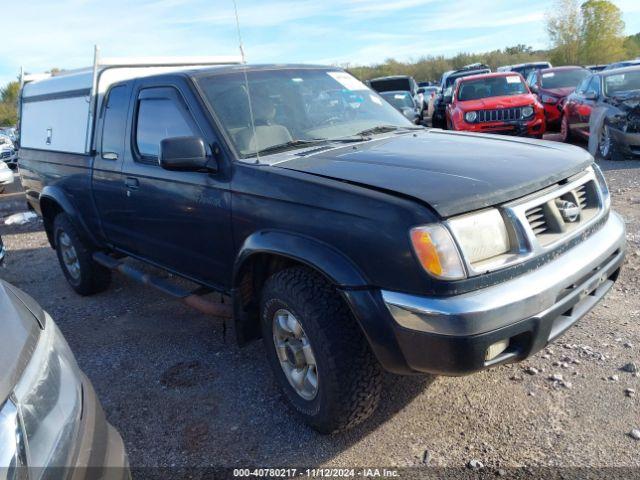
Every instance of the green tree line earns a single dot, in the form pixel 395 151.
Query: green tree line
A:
pixel 584 33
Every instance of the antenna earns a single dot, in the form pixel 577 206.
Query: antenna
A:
pixel 246 81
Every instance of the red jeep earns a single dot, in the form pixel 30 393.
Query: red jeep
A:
pixel 495 103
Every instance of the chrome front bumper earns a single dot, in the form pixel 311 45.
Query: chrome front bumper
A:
pixel 578 278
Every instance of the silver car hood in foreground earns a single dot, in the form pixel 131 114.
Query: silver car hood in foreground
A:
pixel 19 333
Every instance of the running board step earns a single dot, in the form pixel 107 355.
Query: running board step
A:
pixel 191 298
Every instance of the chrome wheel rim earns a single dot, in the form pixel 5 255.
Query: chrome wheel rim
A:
pixel 69 256
pixel 295 354
pixel 605 142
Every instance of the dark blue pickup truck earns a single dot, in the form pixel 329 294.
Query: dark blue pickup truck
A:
pixel 349 239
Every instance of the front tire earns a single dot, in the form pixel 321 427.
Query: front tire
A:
pixel 607 148
pixel 318 353
pixel 565 130
pixel 84 275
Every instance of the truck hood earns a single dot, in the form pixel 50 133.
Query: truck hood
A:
pixel 498 102
pixel 20 333
pixel 452 172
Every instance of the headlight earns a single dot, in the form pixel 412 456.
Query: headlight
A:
pixel 470 116
pixel 13 454
pixel 527 112
pixel 481 236
pixel 604 188
pixel 49 399
pixel 437 252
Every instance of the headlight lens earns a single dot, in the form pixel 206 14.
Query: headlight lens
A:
pixel 481 236
pixel 49 398
pixel 470 116
pixel 437 252
pixel 527 112
pixel 13 455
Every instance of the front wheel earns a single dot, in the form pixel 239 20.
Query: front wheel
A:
pixel 565 131
pixel 607 147
pixel 317 351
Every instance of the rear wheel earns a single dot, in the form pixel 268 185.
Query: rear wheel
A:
pixel 75 257
pixel 318 354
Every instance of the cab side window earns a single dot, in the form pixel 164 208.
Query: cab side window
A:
pixel 161 114
pixel 114 122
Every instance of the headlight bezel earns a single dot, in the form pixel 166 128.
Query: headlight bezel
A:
pixel 531 110
pixel 472 114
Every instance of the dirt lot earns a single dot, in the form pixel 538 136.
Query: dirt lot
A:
pixel 181 393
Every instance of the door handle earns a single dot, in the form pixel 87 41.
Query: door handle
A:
pixel 132 183
pixel 110 156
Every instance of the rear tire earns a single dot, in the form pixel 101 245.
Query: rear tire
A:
pixel 348 378
pixel 84 275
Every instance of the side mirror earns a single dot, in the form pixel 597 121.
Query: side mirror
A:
pixel 187 154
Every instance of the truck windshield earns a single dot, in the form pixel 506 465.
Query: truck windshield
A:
pixel 294 107
pixel 563 78
pixel 491 87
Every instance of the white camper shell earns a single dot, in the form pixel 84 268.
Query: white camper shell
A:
pixel 57 111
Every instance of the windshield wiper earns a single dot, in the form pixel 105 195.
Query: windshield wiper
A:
pixel 291 144
pixel 377 129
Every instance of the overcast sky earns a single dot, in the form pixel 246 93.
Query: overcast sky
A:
pixel 41 34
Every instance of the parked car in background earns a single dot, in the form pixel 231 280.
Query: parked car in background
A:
pixel 552 86
pixel 595 68
pixel 8 151
pixel 9 132
pixel 622 64
pixel 51 421
pixel 429 94
pixel 443 98
pixel 6 176
pixel 524 69
pixel 495 103
pixel 350 242
pixel 609 103
pixel 397 83
pixel 405 103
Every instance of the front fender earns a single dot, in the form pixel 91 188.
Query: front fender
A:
pixel 338 268
pixel 53 200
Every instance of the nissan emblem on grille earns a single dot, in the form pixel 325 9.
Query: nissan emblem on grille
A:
pixel 570 211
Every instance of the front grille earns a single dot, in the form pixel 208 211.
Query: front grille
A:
pixel 564 213
pixel 537 220
pixel 500 115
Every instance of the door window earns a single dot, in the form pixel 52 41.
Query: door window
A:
pixel 160 117
pixel 114 121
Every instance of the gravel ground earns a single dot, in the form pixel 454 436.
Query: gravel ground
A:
pixel 182 393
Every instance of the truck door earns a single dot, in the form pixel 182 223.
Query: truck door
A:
pixel 107 187
pixel 178 220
